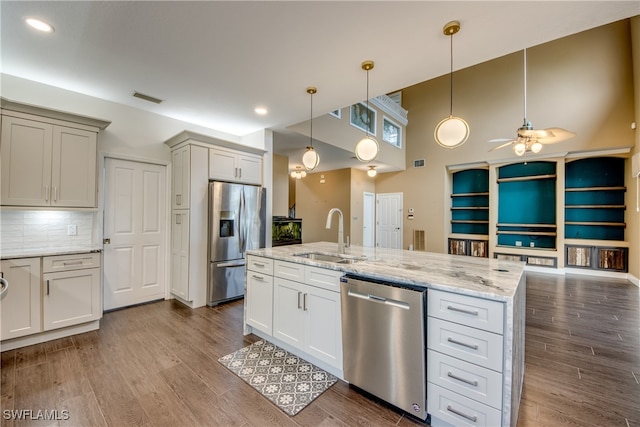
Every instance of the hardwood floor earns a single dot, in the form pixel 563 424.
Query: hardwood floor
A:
pixel 156 365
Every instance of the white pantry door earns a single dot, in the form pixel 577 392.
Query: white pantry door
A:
pixel 135 223
pixel 389 220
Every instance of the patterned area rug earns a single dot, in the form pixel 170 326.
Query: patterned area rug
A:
pixel 288 381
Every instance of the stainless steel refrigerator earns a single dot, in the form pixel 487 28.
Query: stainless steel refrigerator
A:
pixel 236 224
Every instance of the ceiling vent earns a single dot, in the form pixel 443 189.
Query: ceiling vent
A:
pixel 147 97
pixel 418 163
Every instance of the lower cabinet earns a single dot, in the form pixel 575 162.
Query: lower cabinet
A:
pixel 259 294
pixel 465 347
pixel 72 292
pixel 47 294
pixel 20 313
pixel 305 304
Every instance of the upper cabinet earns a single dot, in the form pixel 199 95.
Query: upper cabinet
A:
pixel 231 165
pixel 46 161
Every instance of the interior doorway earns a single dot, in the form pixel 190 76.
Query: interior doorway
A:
pixel 135 225
pixel 389 220
pixel 368 220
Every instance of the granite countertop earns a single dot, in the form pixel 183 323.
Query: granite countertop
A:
pixel 482 277
pixel 37 252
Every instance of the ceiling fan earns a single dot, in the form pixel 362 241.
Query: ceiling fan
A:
pixel 528 138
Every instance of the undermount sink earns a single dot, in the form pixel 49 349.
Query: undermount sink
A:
pixel 317 256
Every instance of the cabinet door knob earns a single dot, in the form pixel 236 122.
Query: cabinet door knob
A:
pixel 106 241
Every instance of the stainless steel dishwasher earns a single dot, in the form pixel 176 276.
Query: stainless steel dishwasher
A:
pixel 383 339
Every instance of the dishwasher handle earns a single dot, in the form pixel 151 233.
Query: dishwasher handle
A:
pixel 378 299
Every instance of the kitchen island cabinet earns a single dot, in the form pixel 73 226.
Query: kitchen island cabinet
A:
pixel 478 299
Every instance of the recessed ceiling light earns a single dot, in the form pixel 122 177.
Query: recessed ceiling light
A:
pixel 39 25
pixel 260 110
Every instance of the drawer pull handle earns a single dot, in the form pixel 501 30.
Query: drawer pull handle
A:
pixel 464 380
pixel 257 277
pixel 462 310
pixel 464 344
pixel 72 263
pixel 259 264
pixel 462 414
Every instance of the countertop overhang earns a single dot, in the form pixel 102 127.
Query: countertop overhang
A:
pixel 481 277
pixel 38 252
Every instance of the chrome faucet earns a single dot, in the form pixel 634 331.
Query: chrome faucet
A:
pixel 340 228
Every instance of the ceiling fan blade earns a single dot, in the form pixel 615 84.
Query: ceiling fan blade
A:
pixel 556 135
pixel 506 144
pixel 494 141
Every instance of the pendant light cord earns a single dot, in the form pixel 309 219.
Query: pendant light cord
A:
pixel 451 80
pixel 311 123
pixel 366 131
pixel 525 85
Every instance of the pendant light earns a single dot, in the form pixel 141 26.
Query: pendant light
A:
pixel 452 131
pixel 372 171
pixel 367 148
pixel 311 159
pixel 298 173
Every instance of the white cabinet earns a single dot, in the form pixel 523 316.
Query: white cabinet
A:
pixel 465 352
pixel 180 253
pixel 180 176
pixel 308 317
pixel 20 307
pixel 72 292
pixel 46 164
pixel 189 189
pixel 260 293
pixel 237 166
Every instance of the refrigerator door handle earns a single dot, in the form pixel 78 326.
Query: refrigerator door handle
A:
pixel 241 228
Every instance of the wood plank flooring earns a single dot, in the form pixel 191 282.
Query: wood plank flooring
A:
pixel 156 365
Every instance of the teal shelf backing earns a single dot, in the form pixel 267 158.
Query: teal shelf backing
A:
pixel 531 169
pixel 591 182
pixel 470 202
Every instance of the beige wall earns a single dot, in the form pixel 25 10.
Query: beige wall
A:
pixel 280 186
pixel 633 216
pixel 582 83
pixel 314 200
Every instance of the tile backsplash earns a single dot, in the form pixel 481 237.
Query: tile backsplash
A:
pixel 40 229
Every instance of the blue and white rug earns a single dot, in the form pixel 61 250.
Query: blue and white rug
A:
pixel 288 381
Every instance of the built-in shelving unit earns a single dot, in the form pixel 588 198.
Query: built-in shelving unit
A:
pixel 594 199
pixel 595 213
pixel 527 205
pixel 470 213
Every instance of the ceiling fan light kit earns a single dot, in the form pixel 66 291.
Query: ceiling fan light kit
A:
pixel 311 158
pixel 452 131
pixel 367 148
pixel 528 138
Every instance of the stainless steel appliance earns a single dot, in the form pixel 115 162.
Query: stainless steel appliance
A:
pixel 384 339
pixel 236 223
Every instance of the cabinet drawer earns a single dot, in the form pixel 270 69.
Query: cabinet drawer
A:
pixel 51 264
pixel 323 278
pixel 473 345
pixel 467 379
pixel 263 265
pixel 456 410
pixel 470 311
pixel 288 270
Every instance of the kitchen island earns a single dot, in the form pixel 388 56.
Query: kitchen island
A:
pixel 475 298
